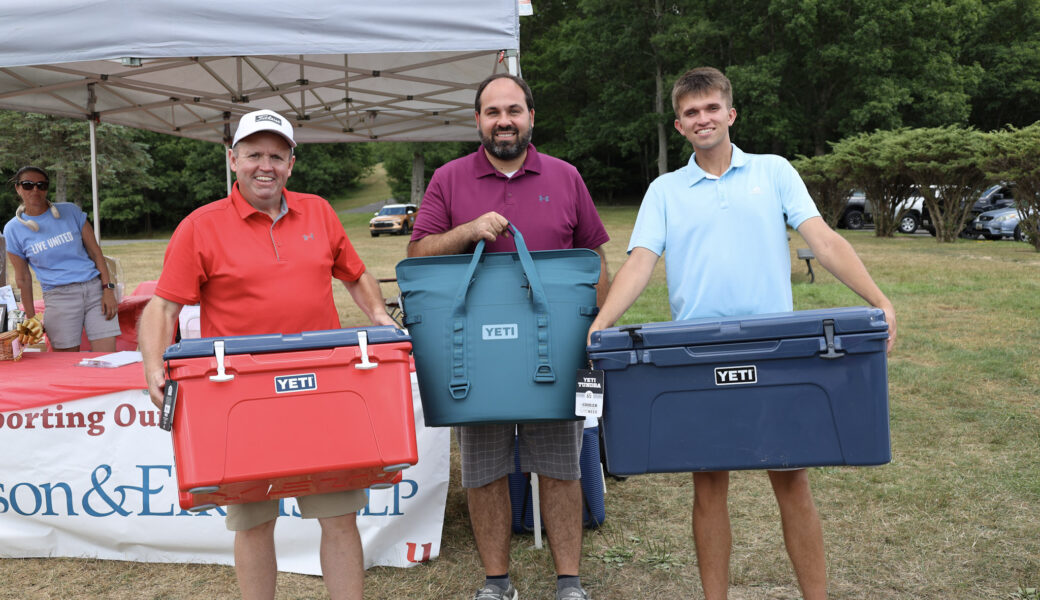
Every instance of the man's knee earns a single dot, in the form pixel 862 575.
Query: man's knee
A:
pixel 342 524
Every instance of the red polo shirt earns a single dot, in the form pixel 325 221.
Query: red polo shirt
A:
pixel 254 275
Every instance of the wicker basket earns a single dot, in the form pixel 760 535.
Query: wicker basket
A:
pixel 10 347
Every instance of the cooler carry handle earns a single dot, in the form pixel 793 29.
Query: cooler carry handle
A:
pixel 458 385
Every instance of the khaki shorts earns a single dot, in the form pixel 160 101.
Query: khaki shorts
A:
pixel 318 506
pixel 69 309
pixel 551 448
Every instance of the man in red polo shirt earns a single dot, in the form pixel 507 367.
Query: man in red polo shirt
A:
pixel 262 261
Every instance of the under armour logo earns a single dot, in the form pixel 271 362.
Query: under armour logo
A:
pixel 544 198
pixel 308 236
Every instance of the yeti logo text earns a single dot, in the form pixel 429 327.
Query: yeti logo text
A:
pixel 736 375
pixel 501 331
pixel 284 384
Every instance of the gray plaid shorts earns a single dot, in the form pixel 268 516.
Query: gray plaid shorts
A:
pixel 552 449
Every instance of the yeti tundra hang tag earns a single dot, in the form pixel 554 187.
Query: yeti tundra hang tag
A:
pixel 499 331
pixel 736 375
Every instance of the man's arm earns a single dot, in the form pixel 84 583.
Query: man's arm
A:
pixel 630 281
pixel 154 333
pixel 603 285
pixel 487 226
pixel 837 256
pixel 366 294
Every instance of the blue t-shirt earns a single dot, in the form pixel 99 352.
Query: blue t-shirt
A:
pixel 56 251
pixel 726 237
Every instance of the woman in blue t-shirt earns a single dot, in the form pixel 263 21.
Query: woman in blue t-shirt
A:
pixel 58 243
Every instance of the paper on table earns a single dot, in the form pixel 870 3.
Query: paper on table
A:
pixel 7 295
pixel 116 359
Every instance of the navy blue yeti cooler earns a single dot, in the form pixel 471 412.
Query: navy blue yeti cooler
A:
pixel 798 389
pixel 593 507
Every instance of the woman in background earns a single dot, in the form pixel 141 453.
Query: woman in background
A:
pixel 58 243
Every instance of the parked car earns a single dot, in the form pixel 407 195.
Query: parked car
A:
pixel 854 216
pixel 393 218
pixel 994 197
pixel 908 216
pixel 1001 223
pixel 859 212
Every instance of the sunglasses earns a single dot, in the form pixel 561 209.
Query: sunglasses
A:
pixel 28 185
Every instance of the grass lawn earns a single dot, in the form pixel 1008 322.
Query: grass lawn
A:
pixel 955 515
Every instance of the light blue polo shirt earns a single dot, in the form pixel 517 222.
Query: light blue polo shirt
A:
pixel 726 237
pixel 56 251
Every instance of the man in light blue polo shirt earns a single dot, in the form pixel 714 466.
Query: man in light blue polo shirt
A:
pixel 722 220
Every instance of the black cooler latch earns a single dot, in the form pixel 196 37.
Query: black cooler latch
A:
pixel 828 336
pixel 633 332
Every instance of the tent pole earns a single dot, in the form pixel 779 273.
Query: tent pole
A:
pixel 227 148
pixel 93 180
pixel 513 63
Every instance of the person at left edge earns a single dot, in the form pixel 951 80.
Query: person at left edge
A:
pixel 262 261
pixel 58 243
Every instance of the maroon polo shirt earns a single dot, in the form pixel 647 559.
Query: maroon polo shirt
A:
pixel 546 200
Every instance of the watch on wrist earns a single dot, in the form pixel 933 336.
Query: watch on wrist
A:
pixel 108 286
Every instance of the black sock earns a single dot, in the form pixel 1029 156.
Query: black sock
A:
pixel 499 581
pixel 566 581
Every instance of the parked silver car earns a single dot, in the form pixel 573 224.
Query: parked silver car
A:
pixel 1000 223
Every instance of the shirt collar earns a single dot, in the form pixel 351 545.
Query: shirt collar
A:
pixel 696 173
pixel 532 163
pixel 245 209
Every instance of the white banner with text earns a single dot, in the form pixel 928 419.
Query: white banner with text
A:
pixel 95 478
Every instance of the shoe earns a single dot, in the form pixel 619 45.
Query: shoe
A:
pixel 491 592
pixel 573 593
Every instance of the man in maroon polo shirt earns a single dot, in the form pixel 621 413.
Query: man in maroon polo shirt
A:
pixel 475 198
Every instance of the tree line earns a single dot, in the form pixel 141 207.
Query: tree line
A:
pixel 948 166
pixel 149 181
pixel 807 74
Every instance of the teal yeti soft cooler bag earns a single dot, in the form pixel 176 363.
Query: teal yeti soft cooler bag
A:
pixel 498 337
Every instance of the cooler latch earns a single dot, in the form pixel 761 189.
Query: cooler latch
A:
pixel 828 337
pixel 362 340
pixel 218 352
pixel 633 332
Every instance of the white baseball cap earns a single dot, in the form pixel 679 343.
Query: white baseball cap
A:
pixel 264 120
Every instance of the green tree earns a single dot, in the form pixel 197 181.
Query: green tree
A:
pixel 828 185
pixel 62 147
pixel 1006 46
pixel 872 162
pixel 397 160
pixel 1014 158
pixel 945 163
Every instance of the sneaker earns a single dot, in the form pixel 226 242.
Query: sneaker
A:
pixel 573 593
pixel 491 592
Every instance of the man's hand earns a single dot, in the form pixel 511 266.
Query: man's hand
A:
pixel 156 380
pixel 487 226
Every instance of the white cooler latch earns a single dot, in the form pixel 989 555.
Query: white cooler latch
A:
pixel 218 352
pixel 362 340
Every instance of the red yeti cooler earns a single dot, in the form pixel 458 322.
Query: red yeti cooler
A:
pixel 276 416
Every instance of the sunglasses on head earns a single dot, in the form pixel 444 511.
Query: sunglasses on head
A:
pixel 28 185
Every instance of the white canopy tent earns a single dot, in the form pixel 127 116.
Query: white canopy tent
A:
pixel 342 70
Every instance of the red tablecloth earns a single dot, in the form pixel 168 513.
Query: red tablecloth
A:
pixel 42 378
